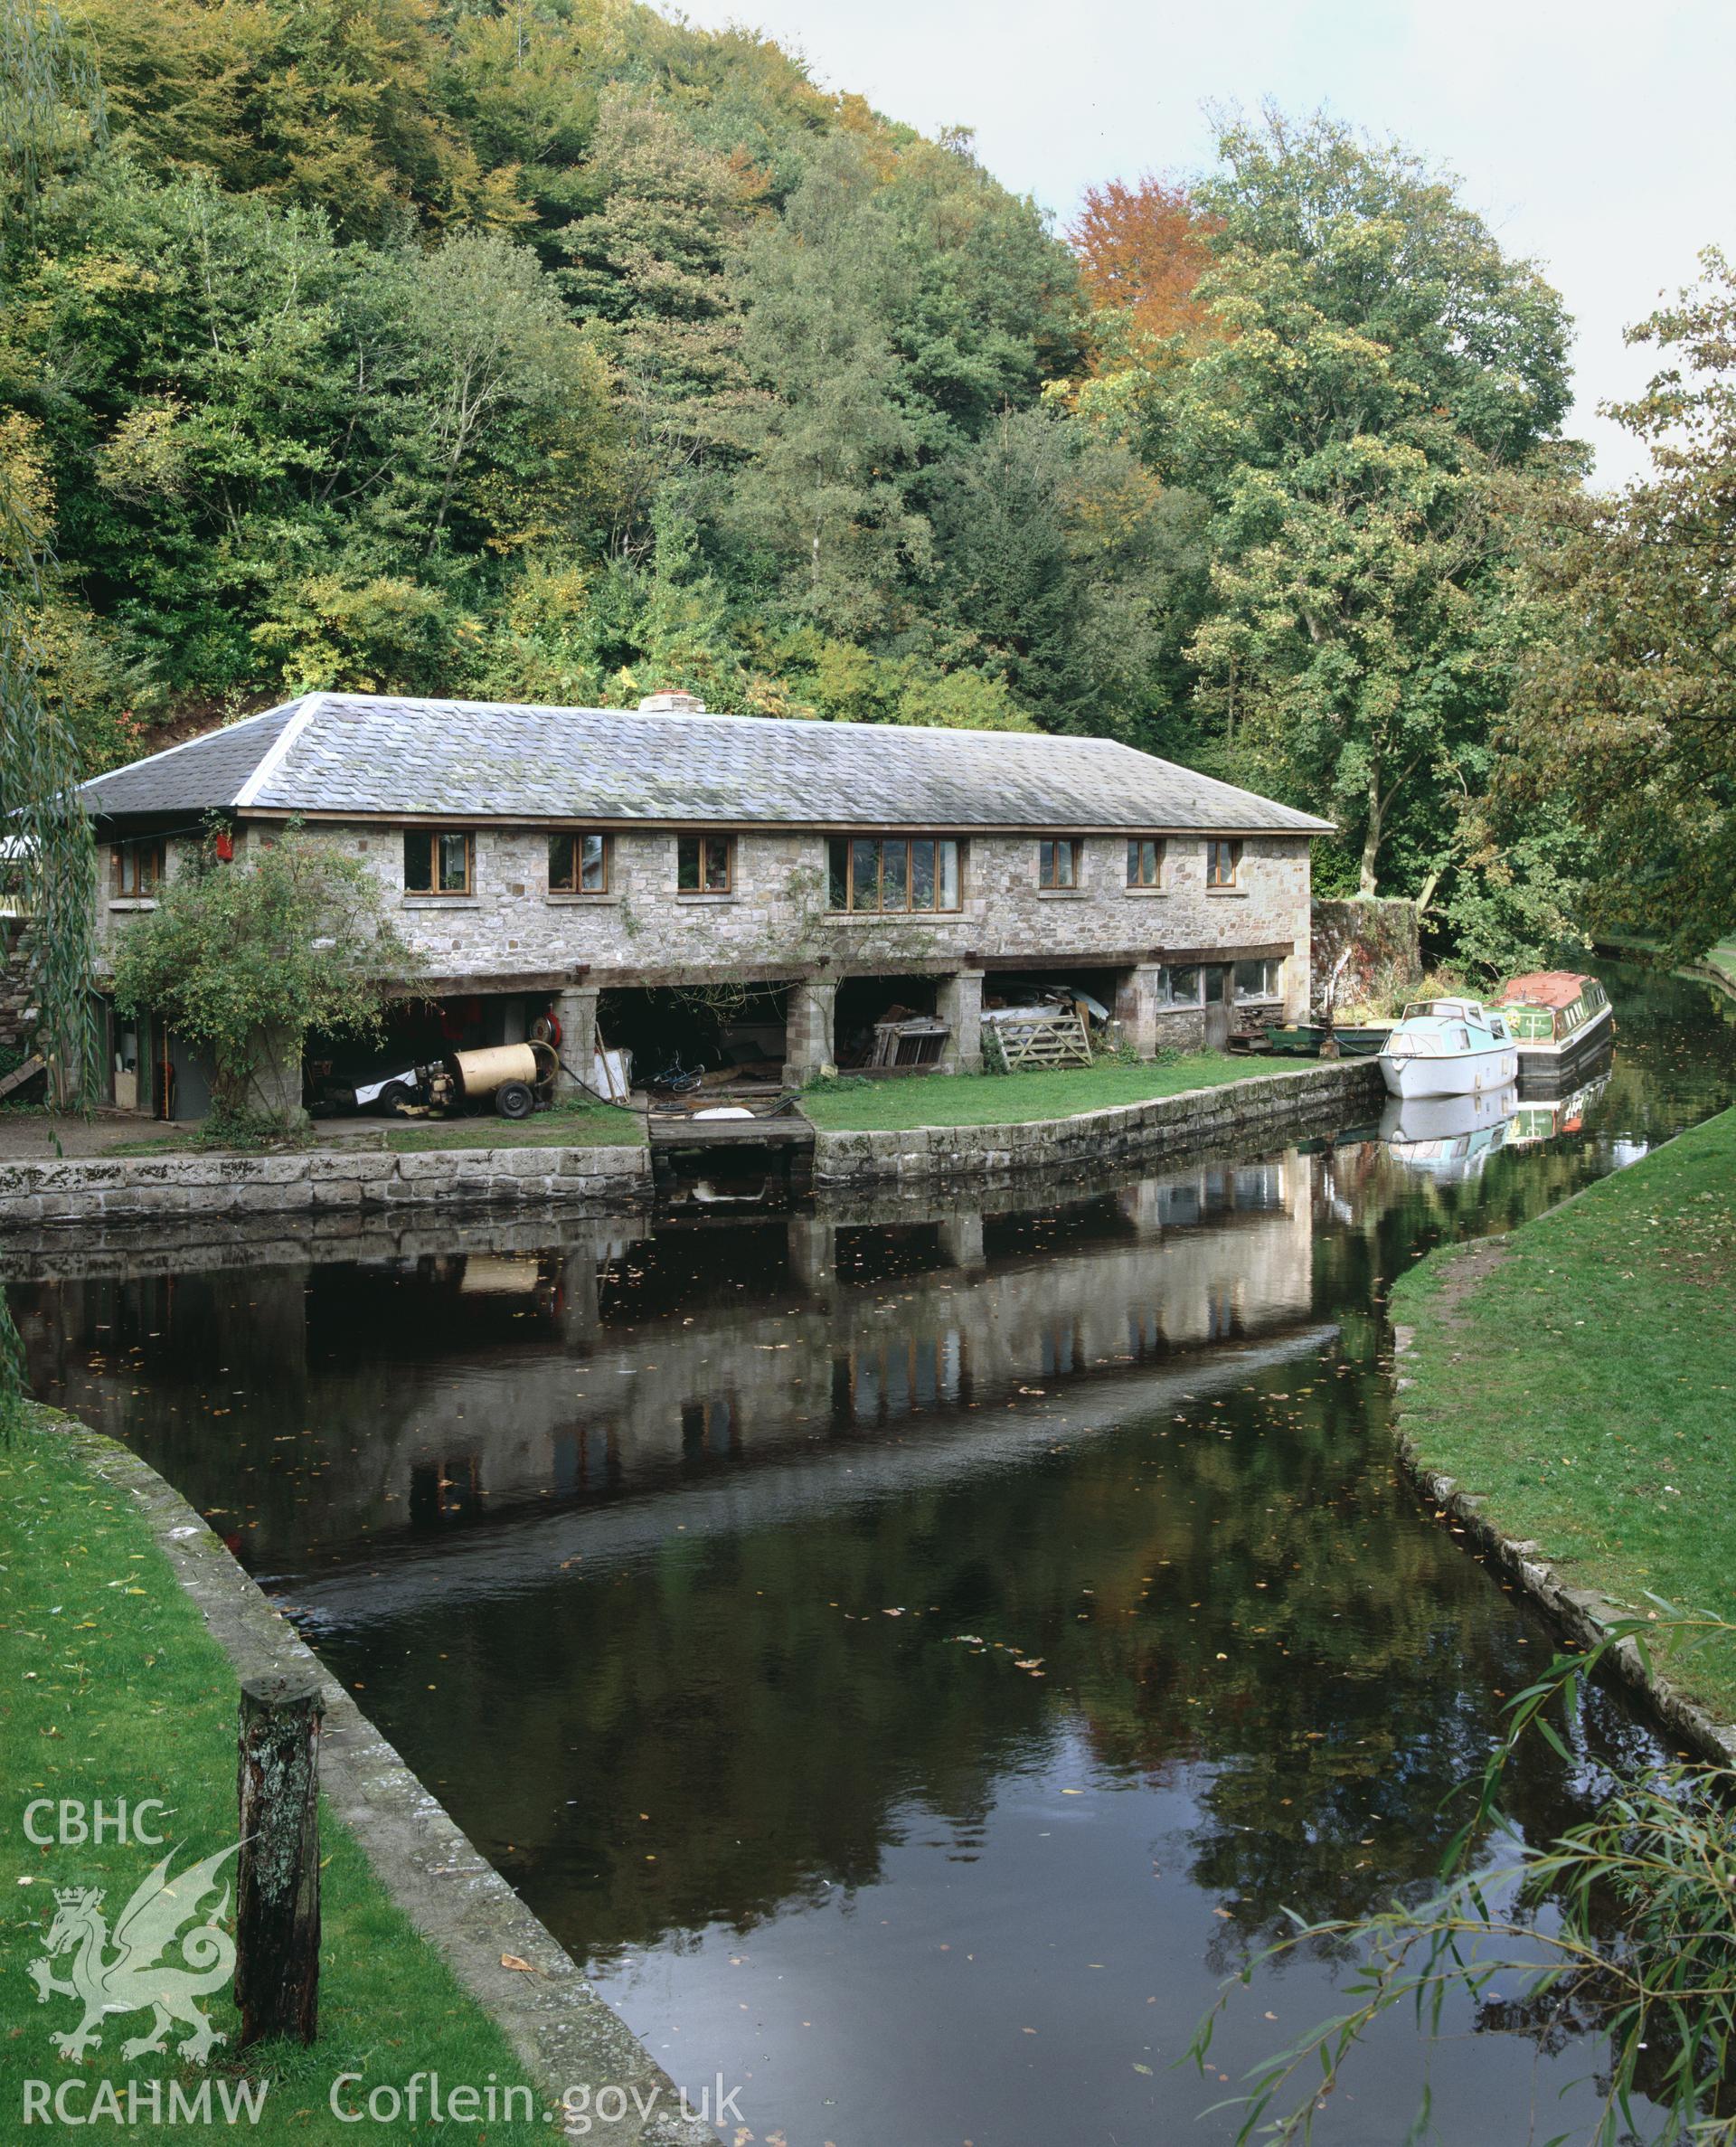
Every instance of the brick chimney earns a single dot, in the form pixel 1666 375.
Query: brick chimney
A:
pixel 668 703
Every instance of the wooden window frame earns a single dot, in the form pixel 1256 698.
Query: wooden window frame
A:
pixel 578 837
pixel 907 908
pixel 130 884
pixel 434 837
pixel 1049 855
pixel 1215 881
pixel 1254 998
pixel 703 839
pixel 1137 845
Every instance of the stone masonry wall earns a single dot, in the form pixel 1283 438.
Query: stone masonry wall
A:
pixel 127 1187
pixel 775 919
pixel 124 1187
pixel 1276 1105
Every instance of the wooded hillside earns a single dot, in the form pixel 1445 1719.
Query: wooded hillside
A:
pixel 554 350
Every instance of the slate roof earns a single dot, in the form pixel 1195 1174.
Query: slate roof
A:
pixel 344 753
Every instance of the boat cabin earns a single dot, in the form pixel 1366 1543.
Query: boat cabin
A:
pixel 1553 1006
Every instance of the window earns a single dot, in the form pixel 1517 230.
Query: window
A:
pixel 871 872
pixel 1145 861
pixel 1222 863
pixel 1193 984
pixel 139 869
pixel 1260 979
pixel 1059 859
pixel 705 864
pixel 579 863
pixel 438 860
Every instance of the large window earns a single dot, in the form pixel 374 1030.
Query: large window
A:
pixel 1222 863
pixel 705 864
pixel 1262 979
pixel 901 872
pixel 438 860
pixel 579 863
pixel 1145 861
pixel 1058 860
pixel 138 870
pixel 1193 984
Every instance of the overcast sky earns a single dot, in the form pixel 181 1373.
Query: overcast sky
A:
pixel 1598 139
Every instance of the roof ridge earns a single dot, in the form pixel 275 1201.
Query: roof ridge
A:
pixel 181 745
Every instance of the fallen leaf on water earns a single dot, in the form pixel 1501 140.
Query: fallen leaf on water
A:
pixel 1141 2068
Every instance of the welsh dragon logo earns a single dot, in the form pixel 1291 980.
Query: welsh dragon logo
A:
pixel 135 1978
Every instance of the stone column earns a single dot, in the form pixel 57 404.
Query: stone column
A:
pixel 808 1041
pixel 576 1010
pixel 960 1004
pixel 1135 1008
pixel 277 1077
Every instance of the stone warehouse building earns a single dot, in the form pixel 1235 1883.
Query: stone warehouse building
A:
pixel 734 886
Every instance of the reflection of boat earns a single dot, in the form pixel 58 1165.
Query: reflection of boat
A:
pixel 1539 1119
pixel 1450 1137
pixel 1560 1020
pixel 1448 1047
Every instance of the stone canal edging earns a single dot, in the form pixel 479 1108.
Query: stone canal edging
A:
pixel 120 1187
pixel 1272 1104
pixel 563 2033
pixel 206 1186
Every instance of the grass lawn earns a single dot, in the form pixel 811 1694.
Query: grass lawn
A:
pixel 593 1125
pixel 1013 1099
pixel 1582 1378
pixel 113 1689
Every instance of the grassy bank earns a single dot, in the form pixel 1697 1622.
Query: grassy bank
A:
pixel 114 1689
pixel 1580 1374
pixel 1013 1099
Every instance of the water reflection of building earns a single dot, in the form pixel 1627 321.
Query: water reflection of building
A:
pixel 422 1389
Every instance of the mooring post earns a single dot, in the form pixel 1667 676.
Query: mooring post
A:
pixel 276 1884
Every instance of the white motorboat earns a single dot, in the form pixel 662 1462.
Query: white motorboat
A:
pixel 1448 1047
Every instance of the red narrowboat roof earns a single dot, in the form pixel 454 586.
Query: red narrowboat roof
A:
pixel 1542 988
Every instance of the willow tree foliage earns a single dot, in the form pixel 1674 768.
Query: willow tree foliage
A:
pixel 49 112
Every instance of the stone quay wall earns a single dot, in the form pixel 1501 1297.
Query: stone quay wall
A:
pixel 1270 1106
pixel 122 1187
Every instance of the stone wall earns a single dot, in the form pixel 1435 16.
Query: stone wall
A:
pixel 1274 1105
pixel 17 987
pixel 1383 940
pixel 774 921
pixel 123 1186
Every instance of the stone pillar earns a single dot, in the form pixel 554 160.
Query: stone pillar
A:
pixel 961 1241
pixel 277 1077
pixel 808 1041
pixel 960 1004
pixel 576 1010
pixel 813 1256
pixel 1135 1008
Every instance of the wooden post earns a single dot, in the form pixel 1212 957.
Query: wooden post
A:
pixel 276 1884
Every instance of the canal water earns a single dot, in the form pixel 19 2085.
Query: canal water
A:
pixel 913 1654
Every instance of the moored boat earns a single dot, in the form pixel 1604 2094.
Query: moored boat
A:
pixel 1559 1019
pixel 1448 1047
